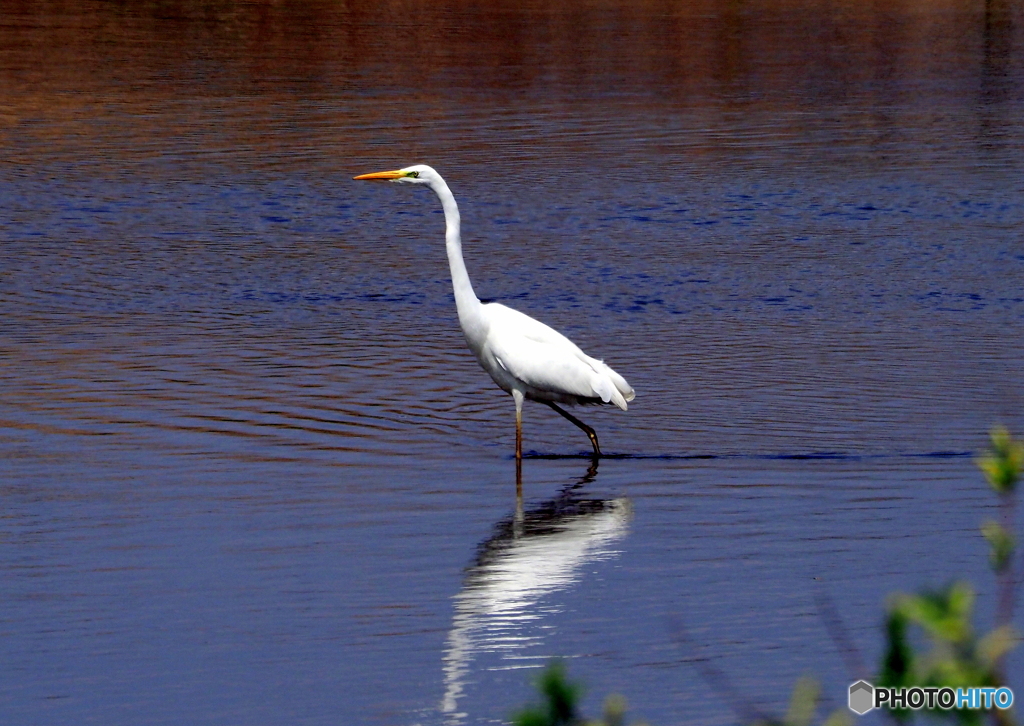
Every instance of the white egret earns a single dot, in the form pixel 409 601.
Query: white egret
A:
pixel 525 357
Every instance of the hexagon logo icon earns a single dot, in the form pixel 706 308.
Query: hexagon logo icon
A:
pixel 862 697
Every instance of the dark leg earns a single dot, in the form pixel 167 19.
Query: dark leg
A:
pixel 517 521
pixel 589 431
pixel 519 435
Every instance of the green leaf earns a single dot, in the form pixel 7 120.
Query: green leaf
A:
pixel 614 711
pixel 839 717
pixel 997 644
pixel 1002 465
pixel 531 716
pixel 560 699
pixel 803 702
pixel 944 614
pixel 899 656
pixel 1002 544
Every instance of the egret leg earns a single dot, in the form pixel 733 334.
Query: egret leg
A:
pixel 517 396
pixel 519 519
pixel 589 431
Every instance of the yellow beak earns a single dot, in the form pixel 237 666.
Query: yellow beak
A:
pixel 392 175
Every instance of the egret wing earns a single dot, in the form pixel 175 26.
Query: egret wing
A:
pixel 546 360
pixel 506 320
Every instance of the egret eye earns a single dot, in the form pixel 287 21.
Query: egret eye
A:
pixel 413 174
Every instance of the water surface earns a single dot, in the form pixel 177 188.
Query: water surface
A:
pixel 252 475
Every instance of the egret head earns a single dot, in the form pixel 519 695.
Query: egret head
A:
pixel 418 174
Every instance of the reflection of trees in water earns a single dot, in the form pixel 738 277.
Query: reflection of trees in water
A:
pixel 700 47
pixel 997 81
pixel 531 554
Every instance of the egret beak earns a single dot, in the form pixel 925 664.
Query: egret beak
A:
pixel 390 175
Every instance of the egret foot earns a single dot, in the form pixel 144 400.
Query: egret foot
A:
pixel 589 431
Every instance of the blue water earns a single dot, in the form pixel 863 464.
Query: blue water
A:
pixel 251 474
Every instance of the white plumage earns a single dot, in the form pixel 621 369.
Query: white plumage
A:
pixel 549 366
pixel 525 357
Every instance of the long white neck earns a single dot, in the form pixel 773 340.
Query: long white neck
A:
pixel 466 300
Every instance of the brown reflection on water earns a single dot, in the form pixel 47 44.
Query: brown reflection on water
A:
pixel 63 65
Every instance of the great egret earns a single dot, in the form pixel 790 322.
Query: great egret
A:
pixel 525 357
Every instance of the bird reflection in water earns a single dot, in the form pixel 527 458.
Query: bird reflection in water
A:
pixel 531 555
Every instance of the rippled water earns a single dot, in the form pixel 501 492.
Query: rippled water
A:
pixel 250 473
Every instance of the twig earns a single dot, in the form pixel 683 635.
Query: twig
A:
pixel 717 680
pixel 836 629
